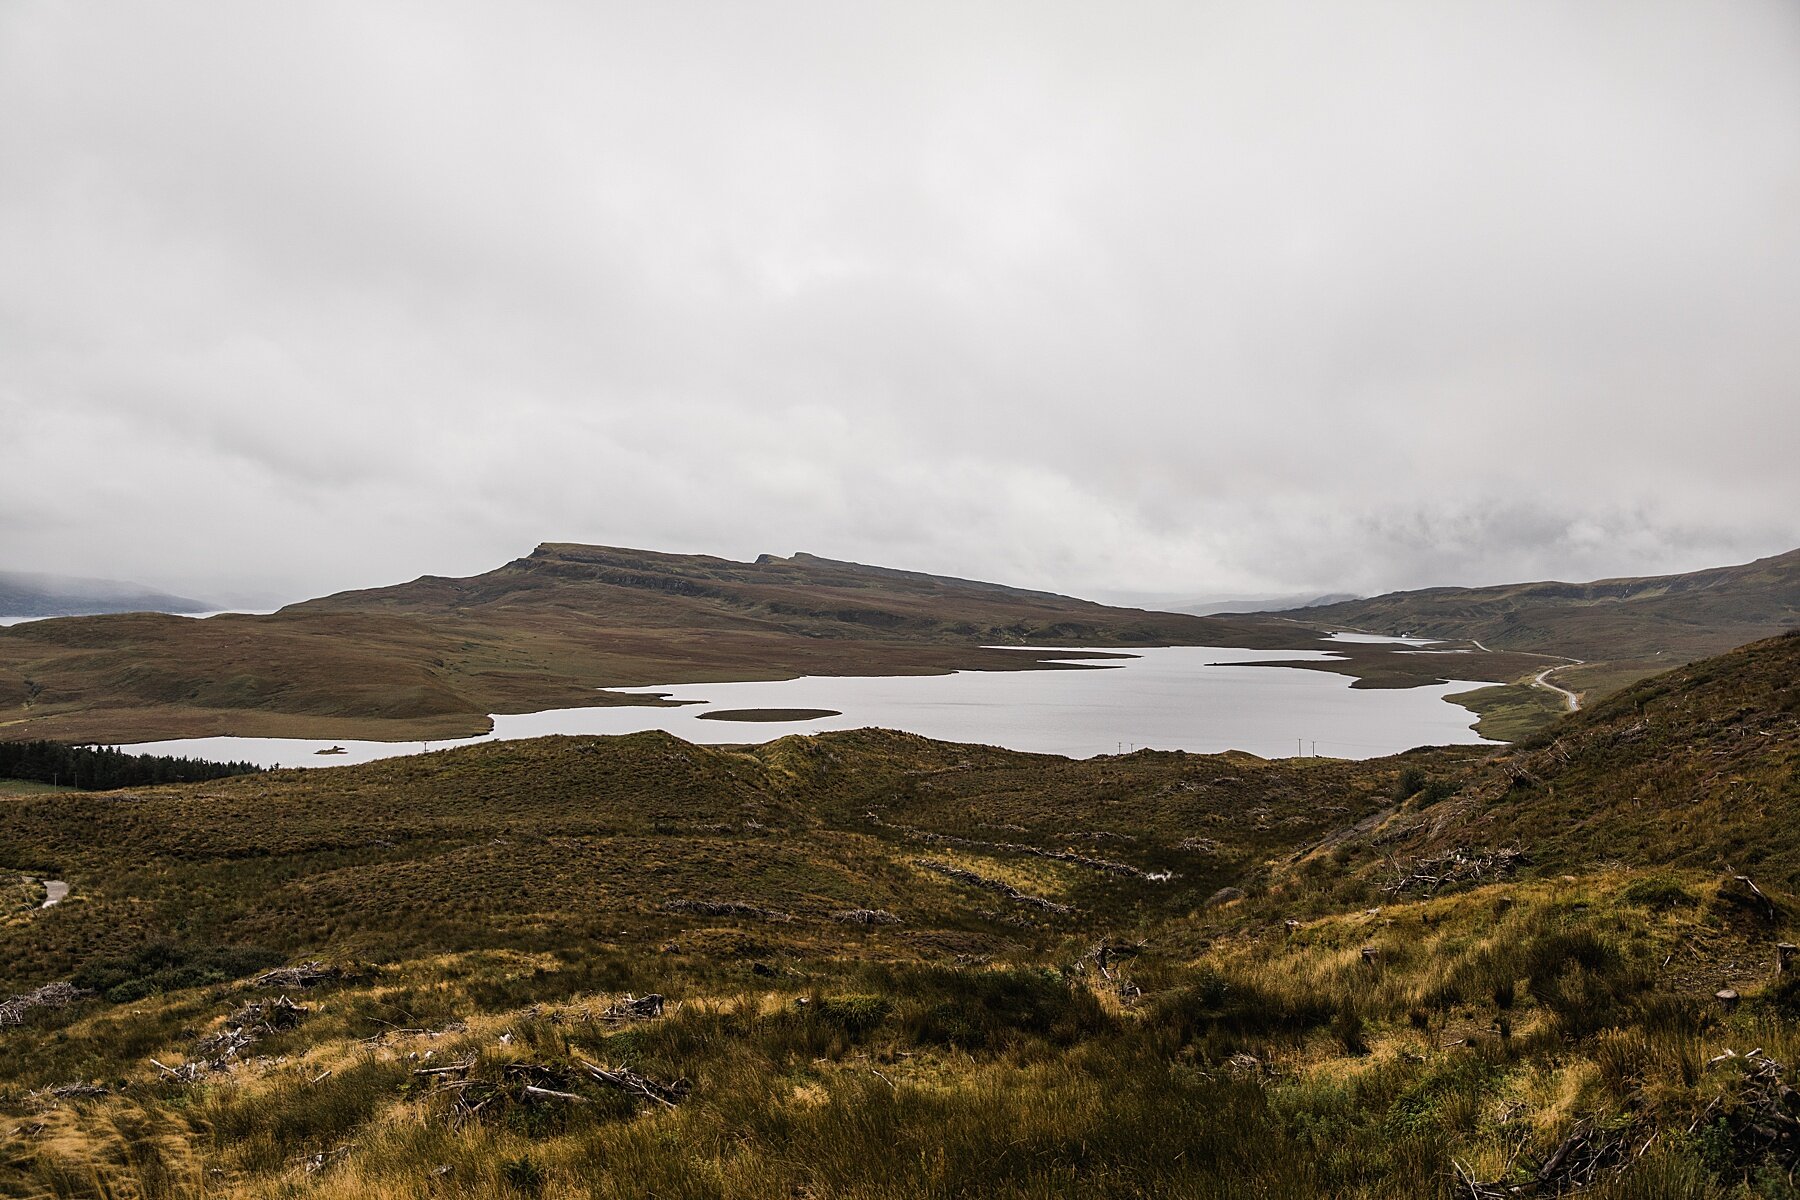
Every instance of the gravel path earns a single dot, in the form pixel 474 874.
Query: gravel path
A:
pixel 1572 700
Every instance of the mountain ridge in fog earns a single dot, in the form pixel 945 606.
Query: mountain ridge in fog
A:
pixel 37 594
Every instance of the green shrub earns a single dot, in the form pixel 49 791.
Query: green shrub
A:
pixel 854 1014
pixel 1783 996
pixel 1216 1004
pixel 1437 789
pixel 989 1010
pixel 523 1175
pixel 1659 894
pixel 166 967
pixel 1581 978
pixel 1347 1027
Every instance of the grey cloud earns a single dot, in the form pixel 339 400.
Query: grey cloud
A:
pixel 1164 298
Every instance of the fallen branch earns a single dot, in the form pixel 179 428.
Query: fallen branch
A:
pixel 629 1081
pixel 47 1097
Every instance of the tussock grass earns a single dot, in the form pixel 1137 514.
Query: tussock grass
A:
pixel 1322 1035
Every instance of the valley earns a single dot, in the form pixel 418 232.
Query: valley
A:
pixel 434 659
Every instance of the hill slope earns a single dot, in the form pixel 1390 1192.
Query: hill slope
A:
pixel 1621 630
pixel 1698 768
pixel 1659 621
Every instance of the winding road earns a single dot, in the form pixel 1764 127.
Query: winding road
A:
pixel 1571 700
pixel 1542 679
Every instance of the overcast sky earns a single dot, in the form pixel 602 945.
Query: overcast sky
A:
pixel 1185 299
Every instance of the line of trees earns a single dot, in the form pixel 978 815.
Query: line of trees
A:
pixel 101 768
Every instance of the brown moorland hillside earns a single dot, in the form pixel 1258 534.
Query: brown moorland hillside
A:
pixel 1696 769
pixel 890 967
pixel 432 658
pixel 1621 629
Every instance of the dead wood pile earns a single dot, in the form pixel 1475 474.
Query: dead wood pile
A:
pixel 1760 1114
pixel 242 1030
pixel 634 1008
pixel 268 1016
pixel 1588 1155
pixel 1453 868
pixel 964 875
pixel 301 975
pixel 472 1094
pixel 51 995
pixel 725 908
pixel 865 916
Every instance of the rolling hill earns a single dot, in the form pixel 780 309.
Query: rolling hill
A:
pixel 1697 768
pixel 1621 628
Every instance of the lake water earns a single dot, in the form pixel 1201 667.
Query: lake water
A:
pixel 1194 698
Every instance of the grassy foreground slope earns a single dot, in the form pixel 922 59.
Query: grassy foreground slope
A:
pixel 1696 768
pixel 895 967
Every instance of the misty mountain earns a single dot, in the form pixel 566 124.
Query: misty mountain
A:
pixel 30 594
pixel 1266 604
